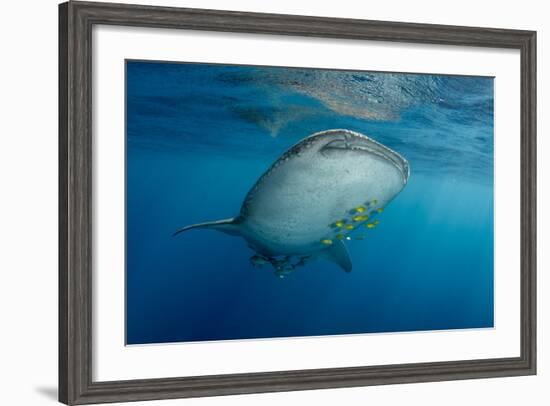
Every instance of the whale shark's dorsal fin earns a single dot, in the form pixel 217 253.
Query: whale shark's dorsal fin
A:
pixel 228 226
pixel 338 254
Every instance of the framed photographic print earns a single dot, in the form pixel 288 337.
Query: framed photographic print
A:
pixel 256 202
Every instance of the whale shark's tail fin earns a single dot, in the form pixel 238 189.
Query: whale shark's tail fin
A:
pixel 229 226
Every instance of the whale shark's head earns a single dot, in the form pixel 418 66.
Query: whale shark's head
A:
pixel 349 146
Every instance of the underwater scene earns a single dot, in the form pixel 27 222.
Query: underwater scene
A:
pixel 271 202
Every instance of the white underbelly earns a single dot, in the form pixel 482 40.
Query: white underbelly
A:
pixel 297 205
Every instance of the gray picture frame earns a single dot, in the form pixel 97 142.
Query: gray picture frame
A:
pixel 76 20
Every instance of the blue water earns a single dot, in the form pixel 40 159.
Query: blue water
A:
pixel 199 136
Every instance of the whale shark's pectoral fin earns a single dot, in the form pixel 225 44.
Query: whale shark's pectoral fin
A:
pixel 338 253
pixel 228 226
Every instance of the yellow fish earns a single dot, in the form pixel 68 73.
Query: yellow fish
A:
pixel 380 209
pixel 360 218
pixel 339 223
pixel 376 222
pixel 360 209
pixel 340 236
pixel 371 225
pixel 349 227
pixel 326 241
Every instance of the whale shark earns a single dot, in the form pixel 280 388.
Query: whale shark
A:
pixel 328 188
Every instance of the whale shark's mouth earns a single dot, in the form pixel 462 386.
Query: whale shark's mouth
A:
pixel 350 141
